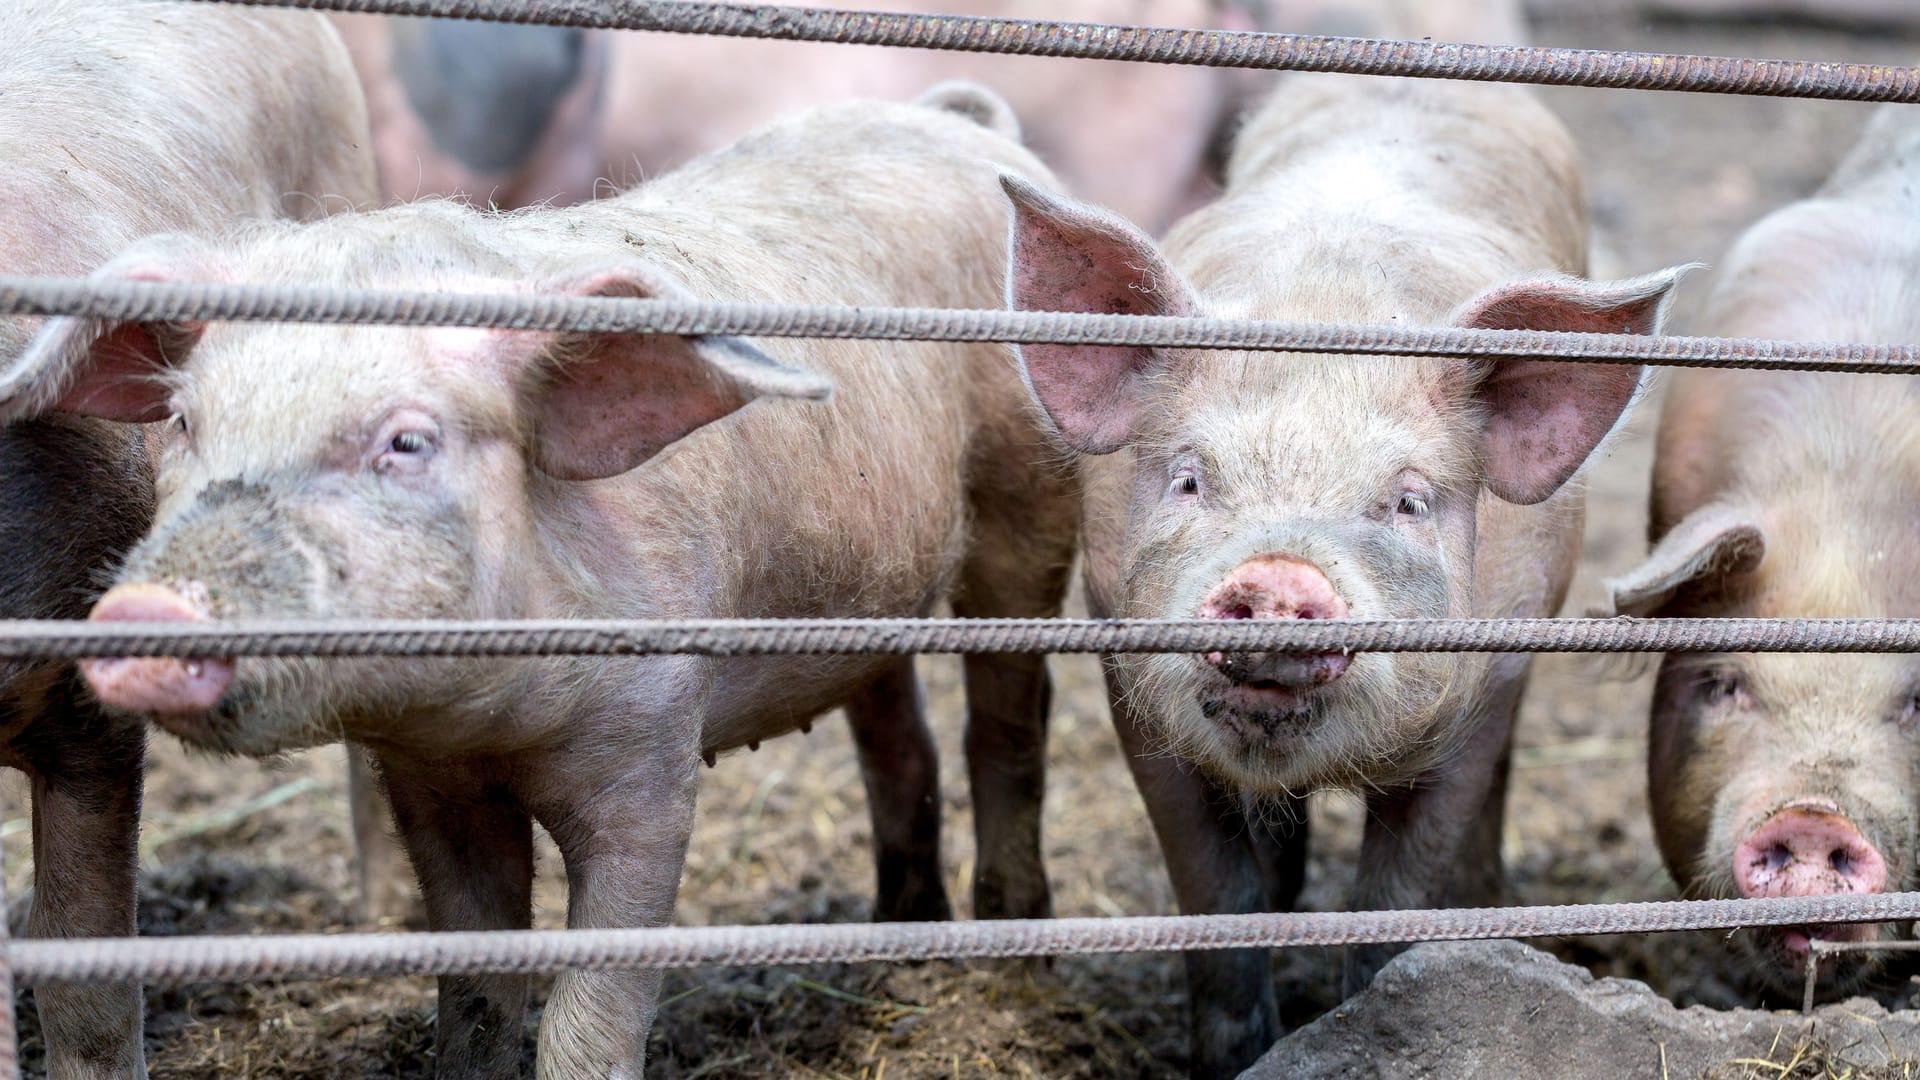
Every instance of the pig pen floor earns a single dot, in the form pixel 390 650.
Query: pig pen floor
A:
pixel 243 847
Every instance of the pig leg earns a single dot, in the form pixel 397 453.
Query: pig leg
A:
pixel 1203 833
pixel 386 880
pixel 1436 843
pixel 1277 835
pixel 901 767
pixel 622 822
pixel 86 821
pixel 1017 568
pixel 471 843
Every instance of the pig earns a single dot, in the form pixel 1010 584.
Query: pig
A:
pixel 1794 495
pixel 1233 486
pixel 510 115
pixel 515 115
pixel 95 103
pixel 1135 137
pixel 375 472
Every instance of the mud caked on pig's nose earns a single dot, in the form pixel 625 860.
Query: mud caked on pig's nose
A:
pixel 1807 850
pixel 1276 586
pixel 154 684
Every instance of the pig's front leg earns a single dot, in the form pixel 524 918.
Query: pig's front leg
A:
pixel 86 820
pixel 1436 843
pixel 1205 837
pixel 901 767
pixel 622 821
pixel 471 843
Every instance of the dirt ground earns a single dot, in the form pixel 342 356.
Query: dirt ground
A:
pixel 244 847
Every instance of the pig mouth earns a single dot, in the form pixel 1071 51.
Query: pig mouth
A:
pixel 217 728
pixel 1780 956
pixel 1289 673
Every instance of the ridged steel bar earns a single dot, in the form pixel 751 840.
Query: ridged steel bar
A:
pixel 27 639
pixel 315 956
pixel 1168 45
pixel 164 301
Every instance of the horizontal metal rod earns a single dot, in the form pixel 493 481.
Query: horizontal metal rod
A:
pixel 28 639
pixel 175 301
pixel 1168 45
pixel 314 956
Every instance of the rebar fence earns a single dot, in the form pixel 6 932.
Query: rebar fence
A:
pixel 29 963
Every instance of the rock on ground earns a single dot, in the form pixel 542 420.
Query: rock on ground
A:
pixel 1460 1010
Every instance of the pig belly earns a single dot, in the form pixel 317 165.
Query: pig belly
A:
pixel 757 698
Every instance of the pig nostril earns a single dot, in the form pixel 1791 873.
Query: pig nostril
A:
pixel 1778 857
pixel 1841 862
pixel 1239 611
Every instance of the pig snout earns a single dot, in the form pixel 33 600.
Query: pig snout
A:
pixel 161 685
pixel 1807 849
pixel 1275 586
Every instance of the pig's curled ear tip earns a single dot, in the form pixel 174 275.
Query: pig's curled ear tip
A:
pixel 1021 190
pixel 976 103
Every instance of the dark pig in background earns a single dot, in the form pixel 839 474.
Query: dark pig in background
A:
pixel 513 115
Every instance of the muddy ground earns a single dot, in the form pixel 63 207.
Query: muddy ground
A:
pixel 241 847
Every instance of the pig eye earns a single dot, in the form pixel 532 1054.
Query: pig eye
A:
pixel 1185 482
pixel 410 442
pixel 177 424
pixel 1412 507
pixel 1721 687
pixel 406 450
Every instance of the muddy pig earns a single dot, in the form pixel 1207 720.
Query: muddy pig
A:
pixel 1237 486
pixel 539 475
pixel 1794 495
pixel 509 115
pixel 95 102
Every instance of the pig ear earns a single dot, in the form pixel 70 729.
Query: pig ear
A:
pixel 1070 257
pixel 1715 541
pixel 1544 417
pixel 607 402
pixel 976 103
pixel 106 368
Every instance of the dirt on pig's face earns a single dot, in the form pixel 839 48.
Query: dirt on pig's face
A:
pixel 320 473
pixel 1362 469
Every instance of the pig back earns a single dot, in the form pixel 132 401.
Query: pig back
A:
pixel 857 506
pixel 127 117
pixel 1836 267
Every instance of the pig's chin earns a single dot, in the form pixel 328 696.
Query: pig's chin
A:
pixel 244 722
pixel 1777 959
pixel 1270 739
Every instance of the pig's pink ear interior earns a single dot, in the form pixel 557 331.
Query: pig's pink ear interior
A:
pixel 1716 541
pixel 1544 418
pixel 1067 256
pixel 608 402
pixel 98 367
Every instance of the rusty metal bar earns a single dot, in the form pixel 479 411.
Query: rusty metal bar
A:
pixel 156 301
pixel 312 956
pixel 56 639
pixel 1167 45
